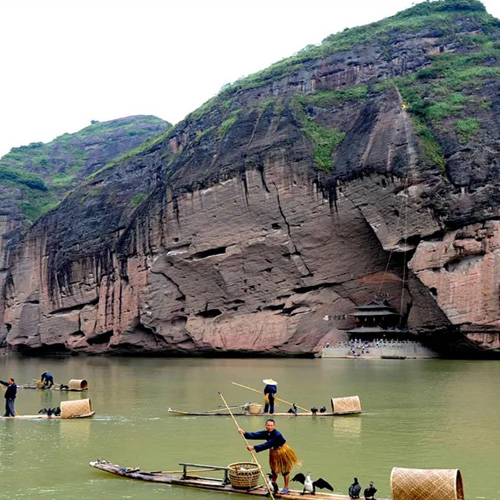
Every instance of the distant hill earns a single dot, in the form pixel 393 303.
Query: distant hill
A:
pixel 34 178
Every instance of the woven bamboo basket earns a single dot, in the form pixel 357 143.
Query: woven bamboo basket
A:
pixel 428 484
pixel 76 409
pixel 346 405
pixel 78 384
pixel 244 475
pixel 254 408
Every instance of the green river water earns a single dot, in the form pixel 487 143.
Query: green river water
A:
pixel 416 413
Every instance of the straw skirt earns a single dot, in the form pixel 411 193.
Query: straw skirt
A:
pixel 283 459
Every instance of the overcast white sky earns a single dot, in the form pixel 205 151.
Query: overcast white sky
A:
pixel 67 62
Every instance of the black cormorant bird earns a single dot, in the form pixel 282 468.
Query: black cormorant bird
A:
pixel 310 485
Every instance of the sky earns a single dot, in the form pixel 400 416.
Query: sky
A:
pixel 67 62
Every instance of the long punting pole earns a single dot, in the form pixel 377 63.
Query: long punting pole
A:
pixel 279 399
pixel 254 456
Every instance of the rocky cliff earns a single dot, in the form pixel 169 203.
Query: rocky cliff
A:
pixel 35 178
pixel 363 166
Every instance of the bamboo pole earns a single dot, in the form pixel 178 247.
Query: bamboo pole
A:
pixel 254 456
pixel 180 471
pixel 277 399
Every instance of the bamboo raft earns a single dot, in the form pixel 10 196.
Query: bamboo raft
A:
pixel 72 386
pixel 340 406
pixel 191 480
pixel 46 417
pixel 223 413
pixel 81 408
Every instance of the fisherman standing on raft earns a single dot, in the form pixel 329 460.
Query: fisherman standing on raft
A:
pixel 282 458
pixel 10 396
pixel 270 391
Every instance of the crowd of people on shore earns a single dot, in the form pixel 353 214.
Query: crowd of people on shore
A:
pixel 358 347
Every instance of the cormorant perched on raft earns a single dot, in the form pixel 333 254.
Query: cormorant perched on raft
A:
pixel 51 411
pixel 293 409
pixel 370 492
pixel 310 485
pixel 355 489
pixel 314 410
pixel 322 409
pixel 272 485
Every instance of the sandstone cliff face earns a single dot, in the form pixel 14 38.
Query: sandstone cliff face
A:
pixel 34 178
pixel 244 242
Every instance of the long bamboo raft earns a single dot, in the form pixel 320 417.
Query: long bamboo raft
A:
pixel 223 413
pixel 74 385
pixel 340 406
pixel 191 480
pixel 56 387
pixel 80 408
pixel 46 417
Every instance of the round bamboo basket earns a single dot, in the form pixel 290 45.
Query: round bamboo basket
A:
pixel 78 385
pixel 254 408
pixel 431 484
pixel 76 409
pixel 346 405
pixel 244 475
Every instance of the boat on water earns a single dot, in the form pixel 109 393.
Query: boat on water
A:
pixel 246 413
pixel 429 484
pixel 73 385
pixel 192 479
pixel 81 408
pixel 47 417
pixel 350 405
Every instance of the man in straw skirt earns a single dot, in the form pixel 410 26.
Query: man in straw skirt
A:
pixel 282 458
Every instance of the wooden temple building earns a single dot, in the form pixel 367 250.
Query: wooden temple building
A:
pixel 377 319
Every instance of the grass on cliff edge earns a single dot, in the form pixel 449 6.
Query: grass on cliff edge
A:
pixel 440 16
pixel 30 169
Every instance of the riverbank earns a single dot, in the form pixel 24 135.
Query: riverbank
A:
pixel 379 350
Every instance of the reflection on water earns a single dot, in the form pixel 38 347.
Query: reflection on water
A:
pixel 346 427
pixel 416 413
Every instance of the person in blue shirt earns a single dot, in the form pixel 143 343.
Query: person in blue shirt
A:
pixel 47 380
pixel 10 396
pixel 270 391
pixel 282 458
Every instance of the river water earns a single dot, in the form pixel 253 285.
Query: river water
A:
pixel 416 413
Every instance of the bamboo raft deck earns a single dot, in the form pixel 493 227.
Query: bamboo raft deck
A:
pixel 56 387
pixel 189 480
pixel 42 416
pixel 223 413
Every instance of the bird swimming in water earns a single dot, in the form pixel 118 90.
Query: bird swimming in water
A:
pixel 310 485
pixel 322 409
pixel 271 485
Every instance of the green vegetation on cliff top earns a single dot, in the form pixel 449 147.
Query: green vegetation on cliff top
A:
pixel 438 93
pixel 44 173
pixel 439 15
